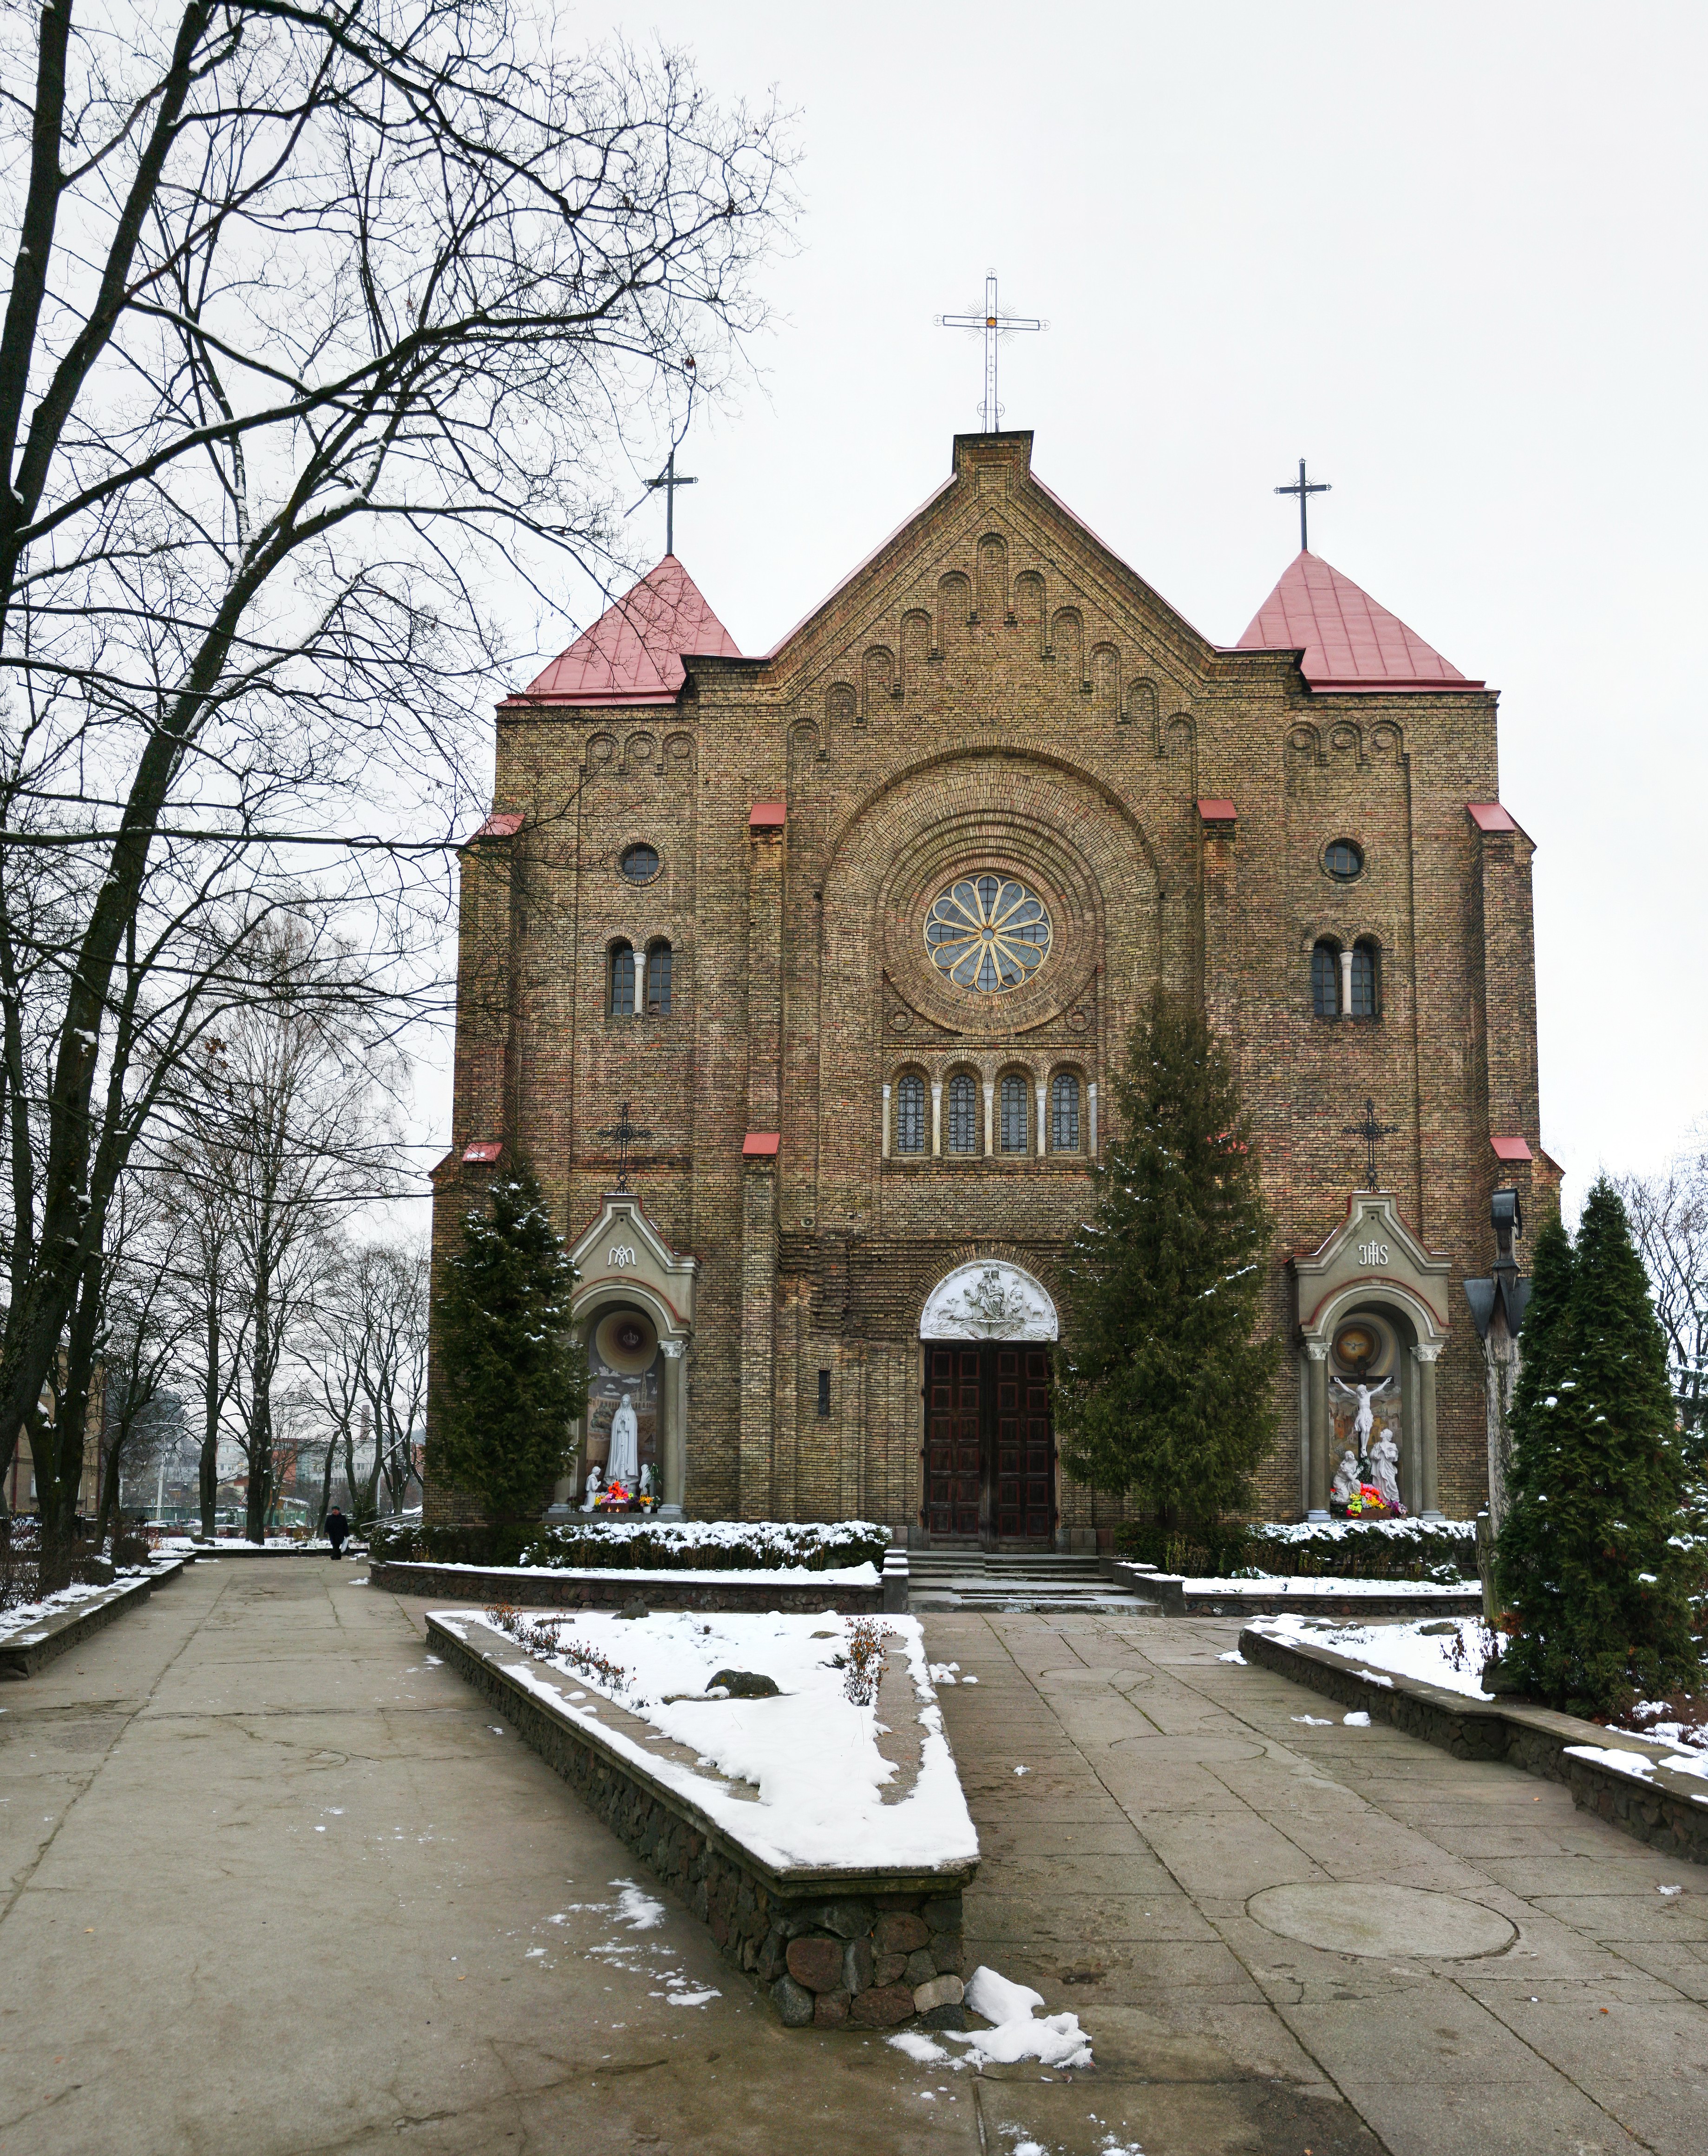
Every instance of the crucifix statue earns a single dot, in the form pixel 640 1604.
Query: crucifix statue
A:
pixel 1370 1130
pixel 1304 487
pixel 622 1133
pixel 993 324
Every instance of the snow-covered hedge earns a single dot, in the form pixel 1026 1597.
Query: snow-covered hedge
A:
pixel 1444 1550
pixel 655 1545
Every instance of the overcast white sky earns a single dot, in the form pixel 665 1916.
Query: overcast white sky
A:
pixel 1452 254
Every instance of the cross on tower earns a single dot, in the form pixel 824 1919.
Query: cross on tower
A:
pixel 625 1134
pixel 1303 488
pixel 993 324
pixel 1370 1130
pixel 669 480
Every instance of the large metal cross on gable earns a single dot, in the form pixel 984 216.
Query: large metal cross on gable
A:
pixel 1304 489
pixel 670 479
pixel 994 325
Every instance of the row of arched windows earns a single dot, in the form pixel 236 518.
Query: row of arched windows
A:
pixel 627 973
pixel 1011 1111
pixel 1346 981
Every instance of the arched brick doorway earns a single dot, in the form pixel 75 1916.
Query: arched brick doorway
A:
pixel 988 1454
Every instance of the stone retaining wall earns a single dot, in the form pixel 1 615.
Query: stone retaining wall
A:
pixel 23 1654
pixel 1666 1811
pixel 864 1949
pixel 1177 1596
pixel 591 1587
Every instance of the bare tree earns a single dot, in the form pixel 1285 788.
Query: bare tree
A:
pixel 322 316
pixel 1668 1217
pixel 371 1369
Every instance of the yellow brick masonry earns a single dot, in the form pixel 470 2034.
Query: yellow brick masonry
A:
pixel 992 689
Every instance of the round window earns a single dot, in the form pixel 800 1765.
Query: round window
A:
pixel 987 933
pixel 639 863
pixel 1344 861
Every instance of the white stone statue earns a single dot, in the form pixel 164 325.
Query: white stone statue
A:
pixel 1384 1470
pixel 1345 1484
pixel 624 1462
pixel 590 1496
pixel 1365 1420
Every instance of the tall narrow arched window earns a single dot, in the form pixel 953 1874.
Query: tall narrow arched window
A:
pixel 963 1113
pixel 1366 985
pixel 658 978
pixel 910 1114
pixel 1065 1112
pixel 1326 980
pixel 1015 1091
pixel 622 981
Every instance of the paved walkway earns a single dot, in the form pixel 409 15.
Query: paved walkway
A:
pixel 272 1881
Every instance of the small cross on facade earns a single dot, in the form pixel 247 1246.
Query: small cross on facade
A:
pixel 668 480
pixel 994 325
pixel 1304 489
pixel 622 1133
pixel 1370 1130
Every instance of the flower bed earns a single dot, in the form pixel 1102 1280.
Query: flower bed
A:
pixel 1443 1551
pixel 645 1545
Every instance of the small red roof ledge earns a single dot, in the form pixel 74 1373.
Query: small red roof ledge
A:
pixel 1489 816
pixel 1218 811
pixel 503 826
pixel 768 816
pixel 484 1149
pixel 1511 1149
pixel 760 1145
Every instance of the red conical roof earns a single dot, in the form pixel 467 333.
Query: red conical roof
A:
pixel 1349 642
pixel 633 652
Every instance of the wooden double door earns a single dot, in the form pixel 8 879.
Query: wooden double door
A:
pixel 990 1443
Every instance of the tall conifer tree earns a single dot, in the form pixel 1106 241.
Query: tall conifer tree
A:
pixel 514 1375
pixel 1587 1566
pixel 1165 1391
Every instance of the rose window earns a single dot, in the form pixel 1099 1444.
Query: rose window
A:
pixel 987 933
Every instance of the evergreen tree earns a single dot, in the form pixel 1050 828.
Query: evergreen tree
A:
pixel 1588 1567
pixel 1165 1392
pixel 514 1376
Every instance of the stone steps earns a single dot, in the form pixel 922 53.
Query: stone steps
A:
pixel 1039 1582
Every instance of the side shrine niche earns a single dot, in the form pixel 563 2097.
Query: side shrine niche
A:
pixel 1371 1303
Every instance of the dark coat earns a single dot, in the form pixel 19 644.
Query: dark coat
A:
pixel 337 1527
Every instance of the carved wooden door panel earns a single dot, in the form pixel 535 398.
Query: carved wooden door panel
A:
pixel 955 1403
pixel 1024 1509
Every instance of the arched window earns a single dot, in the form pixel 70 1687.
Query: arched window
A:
pixel 658 978
pixel 1367 1000
pixel 910 1114
pixel 1065 1112
pixel 963 1113
pixel 622 981
pixel 1015 1089
pixel 1326 980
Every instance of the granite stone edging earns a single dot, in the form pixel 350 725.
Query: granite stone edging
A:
pixel 23 1654
pixel 833 1945
pixel 1666 1809
pixel 592 1586
pixel 1178 1596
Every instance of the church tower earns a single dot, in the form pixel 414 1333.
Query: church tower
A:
pixel 799 978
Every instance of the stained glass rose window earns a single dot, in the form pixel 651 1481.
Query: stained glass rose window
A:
pixel 987 933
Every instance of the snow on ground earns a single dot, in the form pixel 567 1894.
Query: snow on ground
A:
pixel 1399 1531
pixel 1056 2040
pixel 1427 1653
pixel 23 1621
pixel 791 1536
pixel 1421 1591
pixel 1408 1650
pixel 811 1752
pixel 792 1575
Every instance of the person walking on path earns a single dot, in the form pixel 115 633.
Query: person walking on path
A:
pixel 337 1527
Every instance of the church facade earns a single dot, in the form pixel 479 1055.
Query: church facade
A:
pixel 799 981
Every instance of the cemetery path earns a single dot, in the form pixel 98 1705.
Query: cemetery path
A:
pixel 272 1881
pixel 1196 1845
